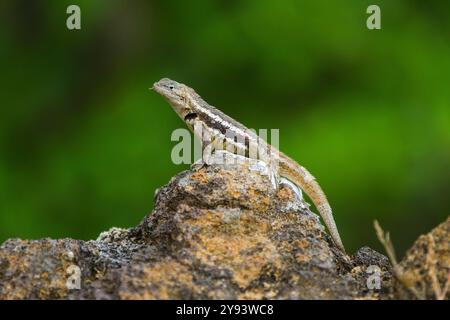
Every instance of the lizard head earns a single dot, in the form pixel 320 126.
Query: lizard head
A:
pixel 177 94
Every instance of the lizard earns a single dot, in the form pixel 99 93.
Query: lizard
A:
pixel 197 113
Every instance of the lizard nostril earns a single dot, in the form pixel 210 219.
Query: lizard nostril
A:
pixel 171 87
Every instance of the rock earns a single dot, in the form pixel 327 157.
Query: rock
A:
pixel 369 267
pixel 425 270
pixel 217 232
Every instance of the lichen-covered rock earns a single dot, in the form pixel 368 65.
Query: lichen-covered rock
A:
pixel 217 232
pixel 35 269
pixel 425 270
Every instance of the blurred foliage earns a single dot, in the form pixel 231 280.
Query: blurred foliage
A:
pixel 84 143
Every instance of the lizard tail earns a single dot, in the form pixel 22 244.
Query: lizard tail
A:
pixel 327 215
pixel 302 178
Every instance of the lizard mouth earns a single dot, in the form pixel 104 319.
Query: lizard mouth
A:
pixel 157 88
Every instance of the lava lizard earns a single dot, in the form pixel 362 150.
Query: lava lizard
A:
pixel 197 113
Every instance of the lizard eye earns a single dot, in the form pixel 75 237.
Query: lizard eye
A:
pixel 190 116
pixel 171 87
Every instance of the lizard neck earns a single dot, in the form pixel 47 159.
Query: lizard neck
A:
pixel 217 124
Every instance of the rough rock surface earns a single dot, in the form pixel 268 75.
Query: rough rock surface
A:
pixel 426 267
pixel 217 232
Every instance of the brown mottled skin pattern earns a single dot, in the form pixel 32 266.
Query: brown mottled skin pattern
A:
pixel 222 132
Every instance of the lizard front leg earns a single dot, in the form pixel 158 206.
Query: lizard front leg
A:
pixel 206 158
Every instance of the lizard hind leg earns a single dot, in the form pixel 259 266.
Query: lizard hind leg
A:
pixel 296 189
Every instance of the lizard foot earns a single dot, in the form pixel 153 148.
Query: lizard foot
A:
pixel 198 164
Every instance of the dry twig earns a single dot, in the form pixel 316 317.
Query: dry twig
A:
pixel 385 240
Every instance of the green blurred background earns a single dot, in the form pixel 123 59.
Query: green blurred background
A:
pixel 84 143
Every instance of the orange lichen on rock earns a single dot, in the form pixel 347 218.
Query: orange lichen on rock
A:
pixel 158 281
pixel 39 264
